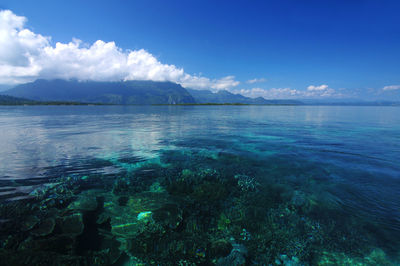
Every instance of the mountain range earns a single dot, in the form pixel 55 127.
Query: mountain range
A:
pixel 127 92
pixel 223 96
pixel 139 92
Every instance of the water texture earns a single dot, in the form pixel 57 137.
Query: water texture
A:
pixel 199 185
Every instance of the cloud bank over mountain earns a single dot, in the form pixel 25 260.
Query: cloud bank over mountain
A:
pixel 26 56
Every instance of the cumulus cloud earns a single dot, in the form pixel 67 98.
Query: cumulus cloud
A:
pixel 317 88
pixel 26 56
pixel 256 80
pixel 270 93
pixel 288 93
pixel 391 88
pixel 198 82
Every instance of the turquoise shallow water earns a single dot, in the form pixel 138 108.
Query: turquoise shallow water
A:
pixel 200 185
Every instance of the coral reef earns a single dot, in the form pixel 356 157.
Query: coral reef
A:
pixel 191 209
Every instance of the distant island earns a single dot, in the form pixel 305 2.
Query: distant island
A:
pixel 140 92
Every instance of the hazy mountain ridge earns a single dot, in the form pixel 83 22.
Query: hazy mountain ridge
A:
pixel 223 96
pixel 10 100
pixel 127 92
pixel 147 92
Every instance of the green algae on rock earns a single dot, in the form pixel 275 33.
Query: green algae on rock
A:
pixel 147 212
pixel 44 228
pixel 84 203
pixel 72 225
pixel 29 222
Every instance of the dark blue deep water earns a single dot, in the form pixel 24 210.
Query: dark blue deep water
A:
pixel 199 185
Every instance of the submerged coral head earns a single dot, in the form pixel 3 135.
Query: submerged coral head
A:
pixel 144 215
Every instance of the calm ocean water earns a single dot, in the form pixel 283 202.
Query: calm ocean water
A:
pixel 260 184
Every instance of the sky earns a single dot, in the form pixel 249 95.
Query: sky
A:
pixel 274 49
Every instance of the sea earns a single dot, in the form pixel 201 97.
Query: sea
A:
pixel 199 185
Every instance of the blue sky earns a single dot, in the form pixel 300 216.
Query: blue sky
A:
pixel 288 48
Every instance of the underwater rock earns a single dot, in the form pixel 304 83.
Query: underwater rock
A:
pixel 9 242
pixel 236 257
pixel 52 213
pixel 141 224
pixel 247 183
pixel 123 200
pixel 245 235
pixel 223 222
pixel 42 190
pixel 210 191
pixel 187 174
pixel 143 212
pixel 133 261
pixel 72 224
pixel 103 218
pixel 376 257
pixel 156 188
pixel 110 246
pixel 287 261
pixel 220 248
pixel 29 223
pixel 302 201
pixel 130 229
pixel 84 203
pixel 131 184
pixel 60 244
pixel 6 225
pixel 203 182
pixel 169 215
pixel 298 199
pixel 208 174
pixel 44 228
pixel 48 203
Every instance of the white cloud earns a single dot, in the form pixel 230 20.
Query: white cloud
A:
pixel 26 56
pixel 198 82
pixel 288 93
pixel 256 80
pixel 273 93
pixel 391 88
pixel 317 88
